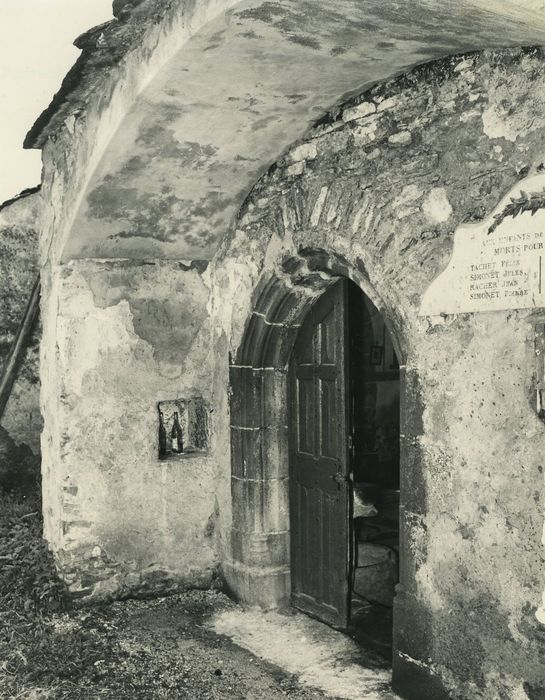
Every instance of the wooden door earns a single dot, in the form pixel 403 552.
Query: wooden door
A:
pixel 319 484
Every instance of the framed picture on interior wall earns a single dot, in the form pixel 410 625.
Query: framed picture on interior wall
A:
pixel 376 354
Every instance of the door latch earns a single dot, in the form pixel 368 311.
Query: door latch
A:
pixel 351 449
pixel 340 479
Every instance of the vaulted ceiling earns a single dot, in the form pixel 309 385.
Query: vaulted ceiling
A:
pixel 240 91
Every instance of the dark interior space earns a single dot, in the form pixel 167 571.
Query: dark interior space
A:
pixel 374 414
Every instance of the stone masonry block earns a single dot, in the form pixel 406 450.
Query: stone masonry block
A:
pixel 246 396
pixel 246 453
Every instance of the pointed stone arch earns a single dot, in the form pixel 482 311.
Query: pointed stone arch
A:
pixel 259 571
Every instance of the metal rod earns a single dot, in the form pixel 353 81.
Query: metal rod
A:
pixel 18 347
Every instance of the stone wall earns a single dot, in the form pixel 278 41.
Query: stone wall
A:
pixel 21 423
pixel 374 192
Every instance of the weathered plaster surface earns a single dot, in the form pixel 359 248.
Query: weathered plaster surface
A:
pixel 119 59
pixel 496 263
pixel 382 185
pixel 120 520
pixel 472 465
pixel 197 99
pixel 19 227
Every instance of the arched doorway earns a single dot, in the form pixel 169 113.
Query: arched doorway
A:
pixel 343 393
pixel 259 570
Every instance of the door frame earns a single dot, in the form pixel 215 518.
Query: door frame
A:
pixel 257 566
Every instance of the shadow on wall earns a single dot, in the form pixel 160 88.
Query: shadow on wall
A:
pixel 19 397
pixel 19 466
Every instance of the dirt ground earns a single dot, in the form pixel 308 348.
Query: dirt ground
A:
pixel 165 648
pixel 197 645
pixel 133 649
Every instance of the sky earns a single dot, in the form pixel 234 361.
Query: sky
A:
pixel 36 52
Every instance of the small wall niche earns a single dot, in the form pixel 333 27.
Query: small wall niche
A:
pixel 182 428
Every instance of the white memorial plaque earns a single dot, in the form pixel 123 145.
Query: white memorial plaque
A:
pixel 499 263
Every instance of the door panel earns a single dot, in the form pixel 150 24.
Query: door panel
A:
pixel 305 417
pixel 319 486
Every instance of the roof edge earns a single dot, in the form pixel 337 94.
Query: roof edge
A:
pixel 22 195
pixel 57 110
pixel 102 49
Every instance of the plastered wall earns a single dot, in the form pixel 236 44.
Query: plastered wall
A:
pixel 382 184
pixel 120 519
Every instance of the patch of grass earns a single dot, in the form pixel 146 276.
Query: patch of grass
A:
pixel 28 580
pixel 45 647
